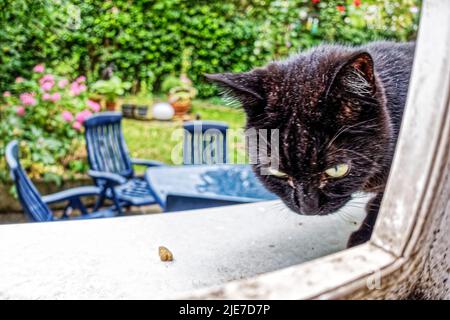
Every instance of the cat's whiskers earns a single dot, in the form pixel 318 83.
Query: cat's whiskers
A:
pixel 282 208
pixel 357 204
pixel 346 216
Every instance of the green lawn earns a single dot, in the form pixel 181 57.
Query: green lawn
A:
pixel 156 140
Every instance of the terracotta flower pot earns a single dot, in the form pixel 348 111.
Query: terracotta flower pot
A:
pixel 181 107
pixel 110 105
pixel 181 100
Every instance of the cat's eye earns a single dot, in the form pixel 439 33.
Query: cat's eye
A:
pixel 338 171
pixel 277 173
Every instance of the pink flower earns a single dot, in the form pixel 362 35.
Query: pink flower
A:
pixel 83 115
pixel 20 111
pixel 76 125
pixel 47 82
pixel 80 117
pixel 75 89
pixel 47 78
pixel 28 99
pixel 46 97
pixel 82 87
pixel 20 80
pixel 55 97
pixel 7 94
pixel 93 105
pixel 62 83
pixel 80 79
pixel 39 68
pixel 87 113
pixel 357 3
pixel 67 116
pixel 47 86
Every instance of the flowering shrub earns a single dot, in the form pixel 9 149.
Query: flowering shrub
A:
pixel 45 113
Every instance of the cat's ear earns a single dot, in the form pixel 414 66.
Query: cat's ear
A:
pixel 246 87
pixel 356 76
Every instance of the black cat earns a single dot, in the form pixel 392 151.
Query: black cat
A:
pixel 338 110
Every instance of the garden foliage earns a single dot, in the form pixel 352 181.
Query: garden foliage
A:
pixel 145 40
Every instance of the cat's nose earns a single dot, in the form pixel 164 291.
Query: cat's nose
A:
pixel 310 207
pixel 309 203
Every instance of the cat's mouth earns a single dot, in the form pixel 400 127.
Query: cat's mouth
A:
pixel 321 210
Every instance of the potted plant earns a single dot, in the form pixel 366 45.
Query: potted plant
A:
pixel 181 99
pixel 111 89
pixel 128 110
pixel 143 100
pixel 180 89
pixel 142 111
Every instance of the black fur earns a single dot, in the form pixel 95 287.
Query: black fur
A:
pixel 332 104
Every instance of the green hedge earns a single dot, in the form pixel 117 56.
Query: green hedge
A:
pixel 146 40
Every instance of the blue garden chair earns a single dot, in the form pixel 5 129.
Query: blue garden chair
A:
pixel 205 142
pixel 110 164
pixel 36 206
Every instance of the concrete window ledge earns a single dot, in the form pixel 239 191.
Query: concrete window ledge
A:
pixel 118 258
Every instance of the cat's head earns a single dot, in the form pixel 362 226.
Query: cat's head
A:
pixel 329 109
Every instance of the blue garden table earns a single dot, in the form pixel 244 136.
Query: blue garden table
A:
pixel 187 187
